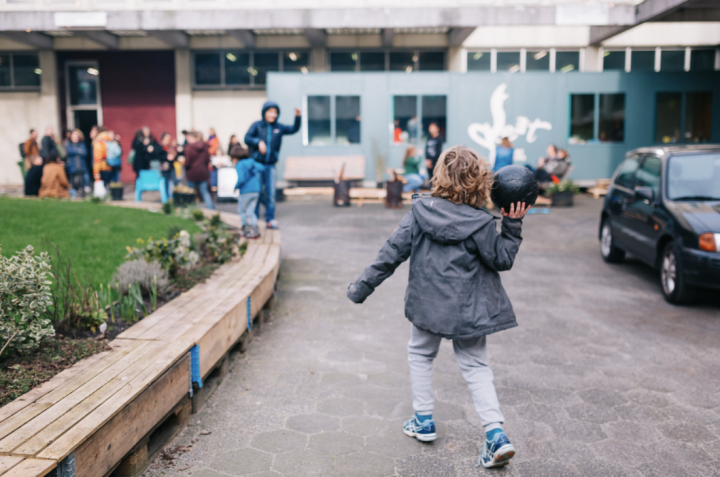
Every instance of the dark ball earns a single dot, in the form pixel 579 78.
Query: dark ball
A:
pixel 513 184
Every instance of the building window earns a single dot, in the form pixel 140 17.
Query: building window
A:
pixel 343 61
pixel 668 117
pixel 626 171
pixel 431 61
pixel 478 61
pixel 408 125
pixel 402 61
pixel 347 119
pixel 672 60
pixel 698 116
pixel 508 61
pixel 242 68
pixel 612 118
pixel 582 118
pixel 702 59
pixel 537 61
pixel 372 61
pixel 318 121
pixel 19 71
pixel 613 60
pixel 567 61
pixel 642 60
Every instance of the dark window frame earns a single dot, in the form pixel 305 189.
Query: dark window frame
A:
pixel 13 86
pixel 683 117
pixel 386 51
pixel 251 51
pixel 419 110
pixel 332 142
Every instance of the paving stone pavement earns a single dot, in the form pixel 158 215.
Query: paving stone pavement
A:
pixel 601 378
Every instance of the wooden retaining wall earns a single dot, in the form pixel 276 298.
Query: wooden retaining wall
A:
pixel 88 418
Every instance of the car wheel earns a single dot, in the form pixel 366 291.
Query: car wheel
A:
pixel 675 289
pixel 610 253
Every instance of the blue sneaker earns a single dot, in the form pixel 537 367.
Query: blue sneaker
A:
pixel 422 431
pixel 496 452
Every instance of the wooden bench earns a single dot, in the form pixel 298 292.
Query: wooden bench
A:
pixel 323 168
pixel 93 414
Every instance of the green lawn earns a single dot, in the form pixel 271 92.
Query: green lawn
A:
pixel 95 235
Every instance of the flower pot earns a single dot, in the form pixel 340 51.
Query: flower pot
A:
pixel 117 193
pixel 562 199
pixel 182 199
pixel 393 199
pixel 342 194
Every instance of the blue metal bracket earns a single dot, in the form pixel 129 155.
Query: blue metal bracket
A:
pixel 66 467
pixel 195 365
pixel 249 313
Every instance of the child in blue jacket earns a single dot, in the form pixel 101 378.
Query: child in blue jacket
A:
pixel 248 172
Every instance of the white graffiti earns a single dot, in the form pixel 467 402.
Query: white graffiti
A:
pixel 488 136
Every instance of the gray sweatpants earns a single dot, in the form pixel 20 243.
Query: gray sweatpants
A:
pixel 472 358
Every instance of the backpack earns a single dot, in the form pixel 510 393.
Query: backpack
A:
pixel 114 153
pixel 22 150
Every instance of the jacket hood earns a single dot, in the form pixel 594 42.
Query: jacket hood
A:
pixel 197 146
pixel 447 222
pixel 268 105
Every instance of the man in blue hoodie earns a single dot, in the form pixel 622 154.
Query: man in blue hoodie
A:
pixel 264 139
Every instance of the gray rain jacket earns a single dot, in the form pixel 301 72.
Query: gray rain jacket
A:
pixel 455 252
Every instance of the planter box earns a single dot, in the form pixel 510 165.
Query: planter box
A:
pixel 181 199
pixel 562 199
pixel 117 193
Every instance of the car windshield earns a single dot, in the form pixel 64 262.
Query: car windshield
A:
pixel 694 177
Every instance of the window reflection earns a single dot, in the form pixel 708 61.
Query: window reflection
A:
pixel 347 119
pixel 318 120
pixel 405 120
pixel 582 120
pixel 478 61
pixel 612 118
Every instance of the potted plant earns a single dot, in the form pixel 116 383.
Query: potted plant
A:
pixel 183 195
pixel 561 193
pixel 117 190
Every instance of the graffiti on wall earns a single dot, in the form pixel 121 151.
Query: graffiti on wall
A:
pixel 489 135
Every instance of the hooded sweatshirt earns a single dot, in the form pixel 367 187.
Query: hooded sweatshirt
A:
pixel 455 252
pixel 270 133
pixel 197 159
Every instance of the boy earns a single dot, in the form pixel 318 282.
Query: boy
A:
pixel 248 183
pixel 454 288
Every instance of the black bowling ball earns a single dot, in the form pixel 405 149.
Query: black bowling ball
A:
pixel 513 184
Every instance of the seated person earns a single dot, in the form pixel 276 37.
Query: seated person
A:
pixel 54 180
pixel 33 177
pixel 414 179
pixel 503 154
pixel 556 164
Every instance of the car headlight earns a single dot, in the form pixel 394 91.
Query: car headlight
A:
pixel 710 242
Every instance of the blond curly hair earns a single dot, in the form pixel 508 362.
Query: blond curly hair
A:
pixel 462 177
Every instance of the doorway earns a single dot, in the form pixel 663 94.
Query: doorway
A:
pixel 84 105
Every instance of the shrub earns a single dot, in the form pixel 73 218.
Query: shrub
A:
pixel 198 215
pixel 168 208
pixel 562 186
pixel 143 273
pixel 172 254
pixel 24 299
pixel 217 244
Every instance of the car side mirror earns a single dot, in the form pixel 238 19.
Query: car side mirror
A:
pixel 644 193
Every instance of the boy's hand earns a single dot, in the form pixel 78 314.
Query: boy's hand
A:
pixel 297 112
pixel 516 212
pixel 262 147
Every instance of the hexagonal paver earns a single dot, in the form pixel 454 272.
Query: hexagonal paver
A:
pixel 303 463
pixel 579 431
pixel 445 411
pixel 686 432
pixel 281 440
pixel 394 443
pixel 313 423
pixel 592 413
pixel 336 443
pixel 389 380
pixel 390 408
pixel 341 379
pixel 347 356
pixel 341 407
pixel 241 461
pixel 602 397
pixel 638 432
pixel 422 465
pixel 363 425
pixel 363 464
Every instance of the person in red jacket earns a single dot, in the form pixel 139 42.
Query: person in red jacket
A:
pixel 197 166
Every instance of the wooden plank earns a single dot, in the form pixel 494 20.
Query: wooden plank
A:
pixel 10 425
pixel 31 468
pixel 121 350
pixel 59 426
pixel 58 380
pixel 73 438
pixel 28 430
pixel 8 462
pixel 298 168
pixel 120 434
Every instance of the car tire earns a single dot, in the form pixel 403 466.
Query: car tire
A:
pixel 610 253
pixel 672 280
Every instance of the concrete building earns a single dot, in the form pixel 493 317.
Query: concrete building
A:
pixel 178 64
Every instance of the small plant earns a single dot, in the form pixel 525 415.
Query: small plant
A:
pixel 183 189
pixel 97 200
pixel 146 274
pixel 25 296
pixel 154 294
pixel 116 185
pixel 168 207
pixel 217 244
pixel 172 254
pixel 105 298
pixel 198 215
pixel 566 185
pixel 136 294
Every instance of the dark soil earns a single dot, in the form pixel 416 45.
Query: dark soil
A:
pixel 19 375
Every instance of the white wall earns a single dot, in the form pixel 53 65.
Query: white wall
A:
pixel 22 111
pixel 669 34
pixel 229 112
pixel 528 36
